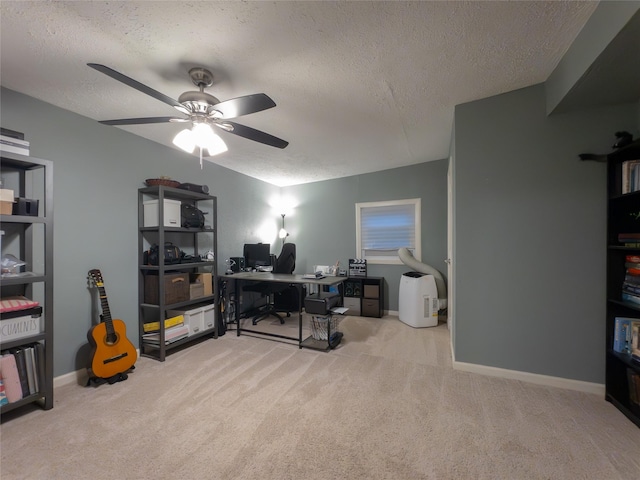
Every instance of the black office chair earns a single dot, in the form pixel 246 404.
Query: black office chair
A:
pixel 285 297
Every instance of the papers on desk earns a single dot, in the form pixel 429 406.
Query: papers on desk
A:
pixel 313 276
pixel 339 310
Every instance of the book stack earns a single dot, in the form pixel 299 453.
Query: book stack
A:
pixel 629 239
pixel 631 283
pixel 171 335
pixel 630 176
pixel 21 372
pixel 168 323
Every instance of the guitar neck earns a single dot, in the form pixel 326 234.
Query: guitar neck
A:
pixel 106 313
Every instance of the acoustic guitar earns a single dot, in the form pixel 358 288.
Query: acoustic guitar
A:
pixel 112 351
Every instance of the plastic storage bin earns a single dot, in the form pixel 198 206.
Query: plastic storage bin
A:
pixel 171 213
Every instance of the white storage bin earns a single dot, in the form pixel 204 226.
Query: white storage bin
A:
pixel 194 318
pixel 21 324
pixel 171 213
pixel 198 319
pixel 209 316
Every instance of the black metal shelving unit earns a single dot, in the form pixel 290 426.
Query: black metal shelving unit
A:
pixel 30 238
pixel 198 241
pixel 621 368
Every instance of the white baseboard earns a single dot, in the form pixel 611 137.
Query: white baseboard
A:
pixel 79 377
pixel 549 381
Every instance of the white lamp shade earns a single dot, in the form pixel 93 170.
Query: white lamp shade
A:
pixel 202 136
pixel 185 140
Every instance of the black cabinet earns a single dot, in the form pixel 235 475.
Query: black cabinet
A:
pixel 28 236
pixel 166 290
pixel 623 222
pixel 364 296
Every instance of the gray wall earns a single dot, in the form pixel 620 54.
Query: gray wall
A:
pixel 530 234
pixel 323 225
pixel 98 170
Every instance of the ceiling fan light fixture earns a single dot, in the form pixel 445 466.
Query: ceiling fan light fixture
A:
pixel 185 140
pixel 206 138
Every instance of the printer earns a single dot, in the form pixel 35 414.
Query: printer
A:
pixel 321 303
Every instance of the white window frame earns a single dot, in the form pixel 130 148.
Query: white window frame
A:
pixel 392 258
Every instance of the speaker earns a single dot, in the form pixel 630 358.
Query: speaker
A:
pixel 192 187
pixel 237 264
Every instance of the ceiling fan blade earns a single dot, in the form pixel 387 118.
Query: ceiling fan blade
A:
pixel 236 107
pixel 253 134
pixel 137 85
pixel 140 121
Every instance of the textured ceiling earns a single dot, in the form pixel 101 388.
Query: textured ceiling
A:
pixel 359 86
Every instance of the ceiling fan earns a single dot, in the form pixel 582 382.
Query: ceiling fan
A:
pixel 202 110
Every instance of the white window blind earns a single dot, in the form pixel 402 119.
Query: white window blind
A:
pixel 384 227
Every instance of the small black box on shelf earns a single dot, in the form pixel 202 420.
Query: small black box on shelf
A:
pixel 25 206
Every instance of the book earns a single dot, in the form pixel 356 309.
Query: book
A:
pixel 168 323
pixel 632 279
pixel 21 363
pixel 31 351
pixel 622 334
pixel 3 395
pixel 28 357
pixel 633 381
pixel 632 258
pixel 40 361
pixel 630 174
pixel 629 297
pixel 171 335
pixel 635 340
pixel 11 378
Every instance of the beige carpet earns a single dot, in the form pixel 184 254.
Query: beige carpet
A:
pixel 385 405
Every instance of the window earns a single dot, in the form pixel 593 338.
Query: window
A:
pixel 384 227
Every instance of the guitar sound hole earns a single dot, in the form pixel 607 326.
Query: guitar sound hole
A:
pixel 111 339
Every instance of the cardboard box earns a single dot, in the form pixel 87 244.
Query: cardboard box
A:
pixel 196 290
pixel 206 280
pixel 171 213
pixel 6 208
pixel 6 195
pixel 6 201
pixel 21 324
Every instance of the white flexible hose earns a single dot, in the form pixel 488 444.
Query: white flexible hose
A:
pixel 410 261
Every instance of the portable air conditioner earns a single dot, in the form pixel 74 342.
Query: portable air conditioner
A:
pixel 418 300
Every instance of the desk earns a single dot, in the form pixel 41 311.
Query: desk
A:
pixel 296 280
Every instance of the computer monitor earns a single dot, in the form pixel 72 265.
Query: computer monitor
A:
pixel 257 254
